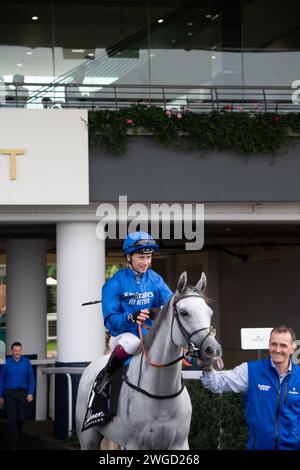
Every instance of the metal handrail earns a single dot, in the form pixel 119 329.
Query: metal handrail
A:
pixel 67 371
pixel 195 98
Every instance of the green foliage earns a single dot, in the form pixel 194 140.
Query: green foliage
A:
pixel 73 441
pixel 51 299
pixel 108 130
pixel 111 269
pixel 246 133
pixel 217 420
pixel 51 290
pixel 52 345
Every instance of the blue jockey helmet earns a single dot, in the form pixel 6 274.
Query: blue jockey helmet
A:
pixel 139 242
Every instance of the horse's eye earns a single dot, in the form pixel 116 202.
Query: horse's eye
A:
pixel 184 313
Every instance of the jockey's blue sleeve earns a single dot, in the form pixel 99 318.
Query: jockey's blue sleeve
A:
pixel 125 293
pixel 115 320
pixel 235 380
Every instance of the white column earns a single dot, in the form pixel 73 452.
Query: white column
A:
pixel 27 295
pixel 80 276
pixel 27 306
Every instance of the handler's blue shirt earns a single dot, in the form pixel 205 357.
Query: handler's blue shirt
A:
pixel 151 291
pixel 17 374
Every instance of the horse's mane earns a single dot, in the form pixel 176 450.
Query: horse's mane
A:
pixel 149 338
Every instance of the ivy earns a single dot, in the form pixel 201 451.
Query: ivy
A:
pixel 250 133
pixel 217 420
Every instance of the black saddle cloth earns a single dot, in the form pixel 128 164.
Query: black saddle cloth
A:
pixel 101 410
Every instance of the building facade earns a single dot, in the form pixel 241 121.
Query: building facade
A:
pixel 71 58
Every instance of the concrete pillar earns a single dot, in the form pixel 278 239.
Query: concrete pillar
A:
pixel 80 276
pixel 27 295
pixel 80 330
pixel 27 306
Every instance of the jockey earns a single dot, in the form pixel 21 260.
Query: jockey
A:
pixel 126 300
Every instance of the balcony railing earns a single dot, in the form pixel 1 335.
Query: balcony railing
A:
pixel 114 97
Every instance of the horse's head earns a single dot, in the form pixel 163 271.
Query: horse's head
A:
pixel 192 322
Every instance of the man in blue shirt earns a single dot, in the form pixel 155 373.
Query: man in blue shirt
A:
pixel 271 389
pixel 126 300
pixel 16 389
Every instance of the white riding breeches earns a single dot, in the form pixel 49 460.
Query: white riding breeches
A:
pixel 129 342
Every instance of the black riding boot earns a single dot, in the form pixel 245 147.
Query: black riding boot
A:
pixel 105 375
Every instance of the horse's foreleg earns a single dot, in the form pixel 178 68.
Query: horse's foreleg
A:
pixel 184 446
pixel 90 439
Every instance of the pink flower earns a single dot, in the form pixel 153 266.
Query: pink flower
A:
pixel 129 122
pixel 276 119
pixel 240 108
pixel 168 113
pixel 229 107
pixel 179 115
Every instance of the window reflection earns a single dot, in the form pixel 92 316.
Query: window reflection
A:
pixel 197 42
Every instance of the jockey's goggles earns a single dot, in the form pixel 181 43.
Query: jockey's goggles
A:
pixel 143 243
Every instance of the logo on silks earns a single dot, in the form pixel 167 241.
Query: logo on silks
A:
pixel 264 388
pixel 141 298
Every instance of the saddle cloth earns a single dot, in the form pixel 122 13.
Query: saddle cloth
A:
pixel 101 410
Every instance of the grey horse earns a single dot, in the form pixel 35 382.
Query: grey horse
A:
pixel 154 410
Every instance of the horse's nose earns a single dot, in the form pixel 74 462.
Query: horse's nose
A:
pixel 212 350
pixel 209 351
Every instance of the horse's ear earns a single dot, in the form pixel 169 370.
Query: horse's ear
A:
pixel 182 281
pixel 201 284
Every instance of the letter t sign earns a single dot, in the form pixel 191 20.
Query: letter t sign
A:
pixel 12 160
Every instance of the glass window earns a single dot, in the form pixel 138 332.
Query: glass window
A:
pixel 26 41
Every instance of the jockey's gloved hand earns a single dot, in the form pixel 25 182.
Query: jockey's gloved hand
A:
pixel 132 317
pixel 152 312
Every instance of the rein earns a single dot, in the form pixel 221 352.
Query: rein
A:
pixel 191 350
pixel 156 364
pixel 191 347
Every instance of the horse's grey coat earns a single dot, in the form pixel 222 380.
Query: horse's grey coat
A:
pixel 143 422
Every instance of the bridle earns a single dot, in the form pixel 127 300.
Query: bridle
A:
pixel 192 350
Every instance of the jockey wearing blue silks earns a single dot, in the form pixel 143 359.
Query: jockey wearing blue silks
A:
pixel 126 302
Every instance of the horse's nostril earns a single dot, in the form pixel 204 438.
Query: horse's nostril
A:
pixel 209 351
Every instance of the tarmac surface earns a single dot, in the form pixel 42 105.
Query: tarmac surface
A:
pixel 37 435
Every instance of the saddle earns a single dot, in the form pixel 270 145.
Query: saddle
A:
pixel 101 410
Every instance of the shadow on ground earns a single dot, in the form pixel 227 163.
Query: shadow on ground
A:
pixel 37 435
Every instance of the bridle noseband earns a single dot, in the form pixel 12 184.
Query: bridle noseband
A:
pixel 192 349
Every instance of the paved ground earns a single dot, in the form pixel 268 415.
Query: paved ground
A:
pixel 37 435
